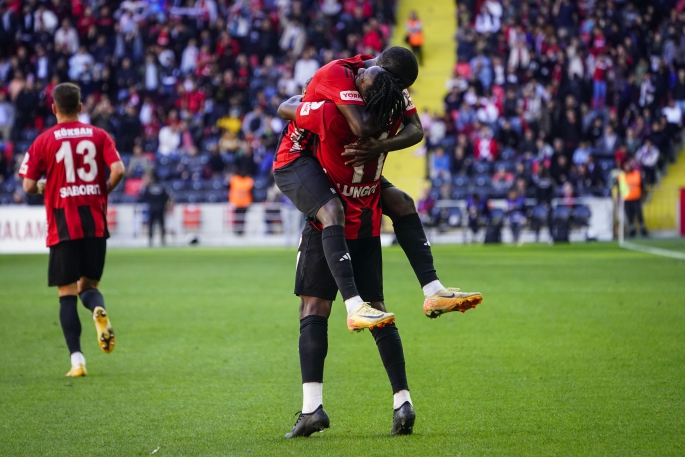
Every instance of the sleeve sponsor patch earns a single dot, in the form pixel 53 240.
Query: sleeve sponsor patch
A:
pixel 308 106
pixel 351 95
pixel 409 104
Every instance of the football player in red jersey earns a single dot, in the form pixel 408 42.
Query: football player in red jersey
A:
pixel 359 190
pixel 74 157
pixel 301 178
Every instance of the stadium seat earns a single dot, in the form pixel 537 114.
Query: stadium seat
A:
pixel 509 165
pixel 540 214
pixel 21 147
pixel 437 182
pixel 216 184
pixel 482 180
pixel 261 183
pixel 259 195
pixel 561 213
pixel 29 135
pixel 461 181
pixel 178 185
pixel 580 215
pixel 455 217
pixel 8 187
pixel 459 193
pixel 508 154
pixel 482 168
pixel 163 172
pixel 195 196
pixel 217 196
pixel 132 186
pixel 6 199
pixel 197 185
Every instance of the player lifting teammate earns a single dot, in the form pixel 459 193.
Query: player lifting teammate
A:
pixel 359 189
pixel 73 156
pixel 300 177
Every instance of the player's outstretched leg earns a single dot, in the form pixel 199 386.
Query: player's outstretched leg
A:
pixel 366 316
pixel 95 302
pixel 313 347
pixel 390 349
pixel 412 238
pixel 71 327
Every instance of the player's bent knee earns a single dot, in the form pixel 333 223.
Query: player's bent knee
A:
pixel 68 289
pixel 331 213
pixel 397 203
pixel 315 306
pixel 87 284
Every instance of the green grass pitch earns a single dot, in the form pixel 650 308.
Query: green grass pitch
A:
pixel 576 350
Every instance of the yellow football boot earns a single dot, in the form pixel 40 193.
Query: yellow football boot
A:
pixel 103 327
pixel 450 299
pixel 78 371
pixel 368 317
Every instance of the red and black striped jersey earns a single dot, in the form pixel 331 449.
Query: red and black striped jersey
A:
pixel 333 82
pixel 74 157
pixel 358 187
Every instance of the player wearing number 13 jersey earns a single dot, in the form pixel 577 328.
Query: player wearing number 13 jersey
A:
pixel 75 157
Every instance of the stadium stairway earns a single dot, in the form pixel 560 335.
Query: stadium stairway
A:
pixel 406 168
pixel 661 210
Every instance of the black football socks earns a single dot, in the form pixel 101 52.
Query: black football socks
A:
pixel 71 325
pixel 92 298
pixel 390 348
pixel 338 259
pixel 313 347
pixel 412 238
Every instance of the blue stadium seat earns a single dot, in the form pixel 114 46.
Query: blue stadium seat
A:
pixel 496 216
pixel 459 193
pixel 215 184
pixel 197 185
pixel 482 168
pixel 163 172
pixel 455 217
pixel 508 165
pixel 437 182
pixel 482 180
pixel 178 185
pixel 540 214
pixel 261 183
pixel 508 154
pixel 5 199
pixel 259 195
pixel 217 196
pixel 195 196
pixel 580 215
pixel 21 147
pixel 461 181
pixel 561 213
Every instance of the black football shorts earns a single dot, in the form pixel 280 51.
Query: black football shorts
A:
pixel 314 279
pixel 73 259
pixel 304 182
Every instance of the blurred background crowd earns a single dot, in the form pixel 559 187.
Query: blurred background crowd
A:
pixel 547 97
pixel 187 88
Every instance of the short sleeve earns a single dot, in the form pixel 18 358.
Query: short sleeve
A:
pixel 338 86
pixel 109 150
pixel 33 166
pixel 310 116
pixel 409 109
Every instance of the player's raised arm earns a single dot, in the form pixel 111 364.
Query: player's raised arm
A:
pixel 366 149
pixel 361 122
pixel 288 109
pixel 116 174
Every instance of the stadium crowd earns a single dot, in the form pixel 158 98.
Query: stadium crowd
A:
pixel 187 88
pixel 548 97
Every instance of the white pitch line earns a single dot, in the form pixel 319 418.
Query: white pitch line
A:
pixel 653 250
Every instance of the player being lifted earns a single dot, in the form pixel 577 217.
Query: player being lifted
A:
pixel 301 178
pixel 359 189
pixel 74 157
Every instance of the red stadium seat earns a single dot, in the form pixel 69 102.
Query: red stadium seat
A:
pixel 132 186
pixel 192 217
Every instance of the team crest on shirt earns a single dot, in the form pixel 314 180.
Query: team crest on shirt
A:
pixel 351 95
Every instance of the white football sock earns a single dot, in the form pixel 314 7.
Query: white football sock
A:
pixel 399 398
pixel 312 396
pixel 353 304
pixel 77 359
pixel 432 288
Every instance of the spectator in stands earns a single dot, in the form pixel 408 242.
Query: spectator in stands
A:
pixel 648 157
pixel 425 207
pixel 581 154
pixel 139 165
pixel 502 180
pixel 486 148
pixel 414 38
pixel 240 197
pixel 7 113
pixel 440 164
pixel 169 139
